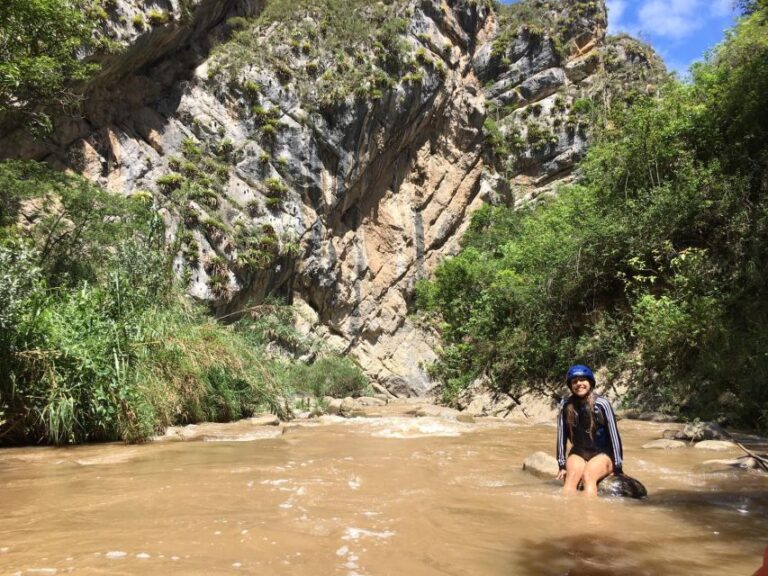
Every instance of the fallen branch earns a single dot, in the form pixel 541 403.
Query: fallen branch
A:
pixel 762 462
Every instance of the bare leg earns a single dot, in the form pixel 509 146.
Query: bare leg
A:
pixel 574 470
pixel 595 470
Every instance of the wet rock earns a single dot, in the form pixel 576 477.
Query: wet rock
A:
pixel 664 444
pixel 264 420
pixel 349 408
pixel 715 445
pixel 260 427
pixel 742 463
pixel 622 485
pixel 436 412
pixel 698 431
pixel 332 405
pixel 542 465
pixel 369 401
pixel 478 400
pixel 465 418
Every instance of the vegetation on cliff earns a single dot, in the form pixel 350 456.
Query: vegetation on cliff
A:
pixel 96 342
pixel 336 50
pixel 652 265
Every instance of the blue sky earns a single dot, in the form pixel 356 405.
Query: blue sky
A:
pixel 681 31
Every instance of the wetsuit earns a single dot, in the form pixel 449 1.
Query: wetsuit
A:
pixel 604 440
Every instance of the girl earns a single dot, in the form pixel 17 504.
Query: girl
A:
pixel 587 420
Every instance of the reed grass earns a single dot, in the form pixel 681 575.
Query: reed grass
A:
pixel 96 341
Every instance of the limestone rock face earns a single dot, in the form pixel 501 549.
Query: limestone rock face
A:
pixel 288 163
pixel 546 78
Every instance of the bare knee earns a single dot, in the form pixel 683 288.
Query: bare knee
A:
pixel 597 469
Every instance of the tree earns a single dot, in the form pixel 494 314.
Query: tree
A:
pixel 41 48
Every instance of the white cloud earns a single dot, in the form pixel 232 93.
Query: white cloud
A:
pixel 616 9
pixel 721 8
pixel 674 19
pixel 682 69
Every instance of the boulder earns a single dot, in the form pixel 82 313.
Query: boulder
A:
pixel 664 444
pixel 332 406
pixel 465 417
pixel 622 485
pixel 349 408
pixel 542 465
pixel 545 466
pixel 698 431
pixel 264 419
pixel 370 401
pixel 743 462
pixel 436 412
pixel 719 445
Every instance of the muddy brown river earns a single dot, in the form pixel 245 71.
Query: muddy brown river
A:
pixel 370 496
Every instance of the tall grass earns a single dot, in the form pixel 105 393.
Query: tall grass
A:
pixel 96 342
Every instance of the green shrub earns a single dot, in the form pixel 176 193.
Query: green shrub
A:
pixel 650 267
pixel 329 376
pixel 158 17
pixel 582 106
pixel 170 182
pixel 94 340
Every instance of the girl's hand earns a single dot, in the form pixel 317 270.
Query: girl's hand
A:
pixel 560 475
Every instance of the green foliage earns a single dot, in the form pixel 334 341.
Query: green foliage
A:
pixel 158 17
pixel 582 106
pixel 96 344
pixel 652 266
pixel 170 182
pixel 40 46
pixel 138 21
pixel 340 48
pixel 329 376
pixel 495 138
pixel 73 219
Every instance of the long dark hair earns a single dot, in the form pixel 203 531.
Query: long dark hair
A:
pixel 572 413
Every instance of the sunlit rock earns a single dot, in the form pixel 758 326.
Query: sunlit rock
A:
pixel 718 445
pixel 664 444
pixel 541 464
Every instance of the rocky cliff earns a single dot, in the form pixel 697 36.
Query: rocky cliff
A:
pixel 330 153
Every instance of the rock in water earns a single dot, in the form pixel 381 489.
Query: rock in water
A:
pixel 621 485
pixel 541 464
pixel 544 465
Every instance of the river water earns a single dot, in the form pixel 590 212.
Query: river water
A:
pixel 370 496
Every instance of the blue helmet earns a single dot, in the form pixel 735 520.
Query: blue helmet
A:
pixel 579 370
